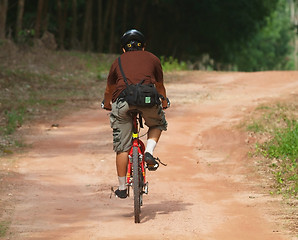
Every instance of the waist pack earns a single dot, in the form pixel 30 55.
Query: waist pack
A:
pixel 141 95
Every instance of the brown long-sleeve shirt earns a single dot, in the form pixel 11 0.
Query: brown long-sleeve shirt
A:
pixel 137 66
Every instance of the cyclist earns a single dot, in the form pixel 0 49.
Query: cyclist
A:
pixel 138 65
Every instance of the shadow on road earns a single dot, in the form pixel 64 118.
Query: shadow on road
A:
pixel 150 211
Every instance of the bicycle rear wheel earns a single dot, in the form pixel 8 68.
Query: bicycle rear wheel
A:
pixel 137 184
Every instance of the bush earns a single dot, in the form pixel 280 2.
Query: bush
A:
pixel 172 64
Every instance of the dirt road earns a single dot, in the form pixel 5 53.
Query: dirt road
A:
pixel 209 190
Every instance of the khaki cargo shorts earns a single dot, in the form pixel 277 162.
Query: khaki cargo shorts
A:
pixel 121 123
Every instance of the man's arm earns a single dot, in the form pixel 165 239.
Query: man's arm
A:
pixel 162 91
pixel 110 88
pixel 108 96
pixel 159 84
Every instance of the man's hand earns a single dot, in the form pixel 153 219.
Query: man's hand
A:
pixel 106 106
pixel 166 104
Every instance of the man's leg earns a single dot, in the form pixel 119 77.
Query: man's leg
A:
pixel 152 139
pixel 122 125
pixel 155 120
pixel 154 133
pixel 121 165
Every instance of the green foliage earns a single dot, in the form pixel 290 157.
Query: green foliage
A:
pixel 3 228
pixel 281 147
pixel 99 65
pixel 271 47
pixel 255 127
pixel 284 145
pixel 172 64
pixel 26 36
pixel 15 119
pixel 193 28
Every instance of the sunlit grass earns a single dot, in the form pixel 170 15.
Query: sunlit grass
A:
pixel 172 64
pixel 3 228
pixel 279 123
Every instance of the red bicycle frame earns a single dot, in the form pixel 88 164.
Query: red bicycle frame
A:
pixel 136 142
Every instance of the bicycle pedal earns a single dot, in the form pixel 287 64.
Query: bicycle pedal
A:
pixel 112 192
pixel 146 188
pixel 153 167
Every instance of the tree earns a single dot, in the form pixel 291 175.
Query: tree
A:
pixel 87 31
pixel 99 26
pixel 44 21
pixel 3 12
pixel 140 13
pixel 19 22
pixel 74 29
pixel 62 16
pixel 124 14
pixel 38 18
pixel 104 12
pixel 112 28
pixel 294 19
pixel 184 29
pixel 270 48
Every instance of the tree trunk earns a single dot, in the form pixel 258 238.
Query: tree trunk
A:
pixel 62 14
pixel 112 29
pixel 3 12
pixel 45 17
pixel 87 31
pixel 19 18
pixel 140 13
pixel 74 29
pixel 105 25
pixel 38 18
pixel 294 18
pixel 124 19
pixel 59 9
pixel 106 18
pixel 296 35
pixel 99 26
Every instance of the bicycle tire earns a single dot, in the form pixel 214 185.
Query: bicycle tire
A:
pixel 136 184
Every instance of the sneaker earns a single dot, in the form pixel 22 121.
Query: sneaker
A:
pixel 152 164
pixel 121 193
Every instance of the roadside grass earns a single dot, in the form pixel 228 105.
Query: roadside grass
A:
pixel 276 129
pixel 45 85
pixel 4 225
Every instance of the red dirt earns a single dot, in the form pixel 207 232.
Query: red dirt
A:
pixel 209 190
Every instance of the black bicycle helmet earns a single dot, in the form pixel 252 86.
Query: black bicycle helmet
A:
pixel 132 38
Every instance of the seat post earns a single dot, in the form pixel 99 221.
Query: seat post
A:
pixel 135 122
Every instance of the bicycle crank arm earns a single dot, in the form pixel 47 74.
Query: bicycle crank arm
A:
pixel 145 188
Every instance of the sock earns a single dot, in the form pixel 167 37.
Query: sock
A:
pixel 122 183
pixel 150 146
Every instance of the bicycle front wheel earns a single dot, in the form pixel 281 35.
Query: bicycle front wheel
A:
pixel 136 184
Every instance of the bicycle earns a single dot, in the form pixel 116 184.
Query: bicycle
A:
pixel 137 178
pixel 136 169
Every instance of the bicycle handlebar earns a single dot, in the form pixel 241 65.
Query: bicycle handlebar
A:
pixel 168 105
